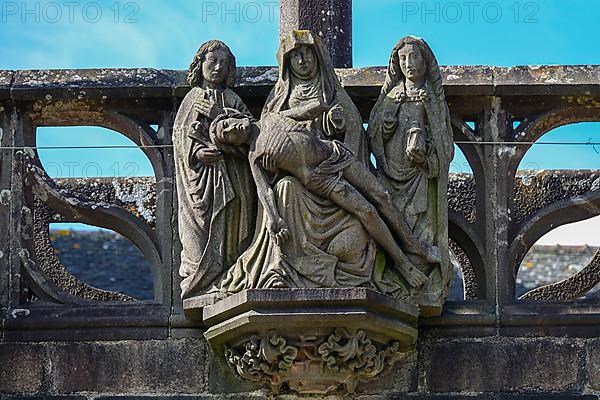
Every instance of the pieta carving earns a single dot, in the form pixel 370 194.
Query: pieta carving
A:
pixel 293 201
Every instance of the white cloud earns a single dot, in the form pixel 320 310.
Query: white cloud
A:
pixel 577 233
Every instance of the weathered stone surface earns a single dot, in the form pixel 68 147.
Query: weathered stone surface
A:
pixel 411 139
pixel 6 78
pixel 555 79
pixel 45 397
pixel 136 194
pixel 40 321
pixel 314 340
pixel 330 20
pixel 537 189
pixel 229 396
pixel 592 367
pixel 309 298
pixel 52 266
pixel 222 379
pixel 131 367
pixel 500 365
pixel 262 395
pixel 520 365
pixel 461 195
pixel 22 367
pixel 325 178
pixel 6 159
pixel 403 377
pixel 533 191
pixel 92 212
pixel 462 76
pixel 544 396
pixel 336 249
pixel 104 82
pixel 458 80
pixel 421 396
pixel 215 225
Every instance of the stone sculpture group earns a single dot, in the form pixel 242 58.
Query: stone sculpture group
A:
pixel 294 199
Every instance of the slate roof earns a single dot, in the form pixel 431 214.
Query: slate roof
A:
pixel 106 260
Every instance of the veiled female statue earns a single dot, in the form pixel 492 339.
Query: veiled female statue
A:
pixel 411 138
pixel 326 246
pixel 216 193
pixel 307 80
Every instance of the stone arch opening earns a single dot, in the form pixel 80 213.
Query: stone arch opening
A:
pixel 102 259
pixel 556 212
pixel 563 258
pixel 111 159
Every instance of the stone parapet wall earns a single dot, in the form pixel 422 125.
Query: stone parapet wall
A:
pixel 88 344
pixel 533 191
pixel 441 368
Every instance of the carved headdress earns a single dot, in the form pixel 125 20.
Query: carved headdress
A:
pixel 329 81
pixel 331 89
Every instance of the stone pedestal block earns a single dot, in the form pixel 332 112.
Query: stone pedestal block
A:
pixel 310 340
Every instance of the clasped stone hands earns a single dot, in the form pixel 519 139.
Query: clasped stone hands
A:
pixel 416 150
pixel 208 155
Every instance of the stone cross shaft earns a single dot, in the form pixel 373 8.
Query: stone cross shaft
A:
pixel 330 19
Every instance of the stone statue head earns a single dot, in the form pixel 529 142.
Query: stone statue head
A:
pixel 411 62
pixel 230 130
pixel 302 55
pixel 413 59
pixel 214 62
pixel 303 62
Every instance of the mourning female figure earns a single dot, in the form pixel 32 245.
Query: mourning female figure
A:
pixel 326 246
pixel 216 193
pixel 411 139
pixel 308 90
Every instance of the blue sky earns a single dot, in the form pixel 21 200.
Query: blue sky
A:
pixel 165 34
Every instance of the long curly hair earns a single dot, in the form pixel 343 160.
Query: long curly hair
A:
pixel 195 78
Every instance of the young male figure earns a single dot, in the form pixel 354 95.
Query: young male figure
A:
pixel 326 168
pixel 215 191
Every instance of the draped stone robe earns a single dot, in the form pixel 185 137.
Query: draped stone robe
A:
pixel 217 201
pixel 418 190
pixel 327 247
pixel 413 187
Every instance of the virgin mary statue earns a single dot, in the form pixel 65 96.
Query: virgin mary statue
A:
pixel 327 246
